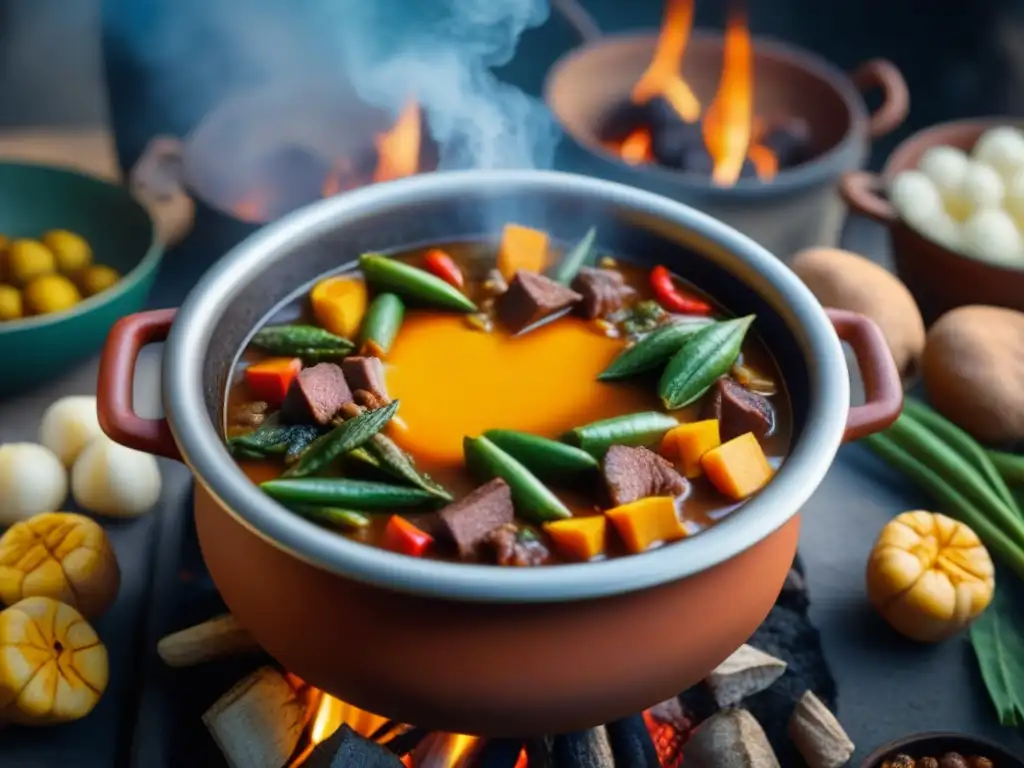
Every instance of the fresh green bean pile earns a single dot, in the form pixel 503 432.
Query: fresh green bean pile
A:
pixel 966 481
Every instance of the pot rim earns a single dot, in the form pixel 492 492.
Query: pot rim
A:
pixel 829 163
pixel 203 449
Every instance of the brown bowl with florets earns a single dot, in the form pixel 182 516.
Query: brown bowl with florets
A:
pixel 947 750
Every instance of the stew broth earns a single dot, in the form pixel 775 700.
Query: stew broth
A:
pixel 459 375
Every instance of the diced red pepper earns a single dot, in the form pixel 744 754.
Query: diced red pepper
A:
pixel 671 298
pixel 270 379
pixel 442 265
pixel 405 538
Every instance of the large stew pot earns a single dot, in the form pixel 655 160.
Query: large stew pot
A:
pixel 484 649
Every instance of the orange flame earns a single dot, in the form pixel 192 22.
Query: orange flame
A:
pixel 636 148
pixel 727 124
pixel 662 76
pixel 399 147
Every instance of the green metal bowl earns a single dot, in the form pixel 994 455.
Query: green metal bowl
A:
pixel 35 198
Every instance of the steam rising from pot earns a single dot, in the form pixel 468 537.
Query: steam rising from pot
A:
pixel 198 53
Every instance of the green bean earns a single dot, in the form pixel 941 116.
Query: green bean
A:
pixel 345 492
pixel 532 499
pixel 397 463
pixel 380 325
pixel 654 349
pixel 644 428
pixel 342 518
pixel 1009 465
pixel 418 284
pixel 345 437
pixel 707 355
pixel 310 342
pixel 545 458
pixel 952 501
pixel 571 262
pixel 967 446
pixel 955 470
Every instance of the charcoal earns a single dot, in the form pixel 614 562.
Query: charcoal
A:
pixel 790 141
pixel 659 115
pixel 347 749
pixel 673 145
pixel 622 121
pixel 500 753
pixel 584 749
pixel 631 743
pixel 406 742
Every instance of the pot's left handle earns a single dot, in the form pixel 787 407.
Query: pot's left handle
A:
pixel 115 391
pixel 883 387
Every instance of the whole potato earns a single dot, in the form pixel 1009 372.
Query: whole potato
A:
pixel 973 367
pixel 844 280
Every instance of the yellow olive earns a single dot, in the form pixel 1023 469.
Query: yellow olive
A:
pixel 71 251
pixel 29 259
pixel 10 303
pixel 97 278
pixel 51 293
pixel 929 576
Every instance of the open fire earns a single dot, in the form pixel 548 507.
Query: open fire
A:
pixel 664 121
pixel 293 176
pixel 665 725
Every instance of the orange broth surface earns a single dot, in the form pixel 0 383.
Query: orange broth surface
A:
pixel 454 380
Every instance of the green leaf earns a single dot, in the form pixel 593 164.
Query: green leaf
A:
pixel 998 639
pixel 340 440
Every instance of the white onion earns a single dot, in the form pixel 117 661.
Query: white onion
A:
pixel 68 426
pixel 945 166
pixel 32 480
pixel 1002 149
pixel 992 236
pixel 109 479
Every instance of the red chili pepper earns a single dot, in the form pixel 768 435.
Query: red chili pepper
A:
pixel 270 379
pixel 405 538
pixel 442 265
pixel 671 298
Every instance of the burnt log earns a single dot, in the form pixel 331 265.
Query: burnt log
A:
pixel 347 749
pixel 583 749
pixel 631 743
pixel 500 753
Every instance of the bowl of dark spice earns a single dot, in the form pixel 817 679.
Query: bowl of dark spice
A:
pixel 942 750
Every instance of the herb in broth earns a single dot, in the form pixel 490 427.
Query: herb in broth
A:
pixel 527 414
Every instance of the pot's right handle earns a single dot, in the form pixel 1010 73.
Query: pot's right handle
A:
pixel 115 391
pixel 861 191
pixel 882 384
pixel 157 180
pixel 883 74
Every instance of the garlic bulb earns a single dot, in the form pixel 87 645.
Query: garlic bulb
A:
pixel 981 188
pixel 946 168
pixel 917 200
pixel 992 236
pixel 109 479
pixel 32 480
pixel 68 426
pixel 1002 149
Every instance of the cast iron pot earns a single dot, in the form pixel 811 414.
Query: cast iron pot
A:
pixel 474 648
pixel 800 207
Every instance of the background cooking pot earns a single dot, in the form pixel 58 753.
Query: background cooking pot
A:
pixel 800 207
pixel 474 648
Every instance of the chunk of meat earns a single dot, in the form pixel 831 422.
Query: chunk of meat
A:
pixel 738 410
pixel 510 547
pixel 637 473
pixel 249 414
pixel 366 373
pixel 603 290
pixel 530 298
pixel 316 395
pixel 472 518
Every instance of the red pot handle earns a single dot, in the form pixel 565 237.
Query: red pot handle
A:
pixel 116 391
pixel 882 384
pixel 883 74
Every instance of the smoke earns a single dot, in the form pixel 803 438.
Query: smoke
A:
pixel 199 52
pixel 441 53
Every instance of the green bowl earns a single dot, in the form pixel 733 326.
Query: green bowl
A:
pixel 35 198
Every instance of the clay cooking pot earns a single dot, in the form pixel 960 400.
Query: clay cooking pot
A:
pixel 475 648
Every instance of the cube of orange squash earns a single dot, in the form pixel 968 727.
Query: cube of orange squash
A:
pixel 688 442
pixel 738 468
pixel 579 537
pixel 643 522
pixel 522 248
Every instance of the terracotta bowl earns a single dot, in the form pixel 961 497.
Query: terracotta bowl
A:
pixel 476 648
pixel 939 278
pixel 937 743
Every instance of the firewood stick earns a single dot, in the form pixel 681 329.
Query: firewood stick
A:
pixel 216 638
pixel 258 723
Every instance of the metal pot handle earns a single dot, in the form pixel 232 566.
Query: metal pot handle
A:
pixel 579 18
pixel 115 388
pixel 882 384
pixel 860 191
pixel 883 74
pixel 157 181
